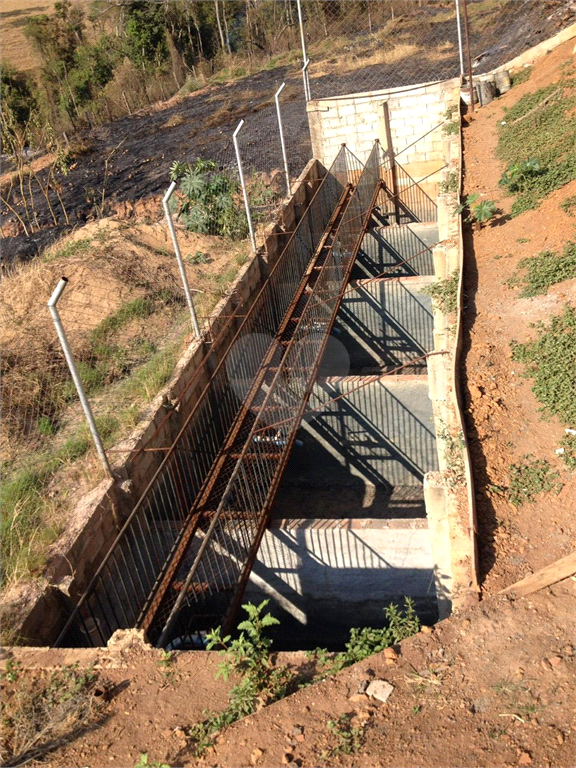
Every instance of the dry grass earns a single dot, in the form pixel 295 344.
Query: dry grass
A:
pixel 44 710
pixel 16 48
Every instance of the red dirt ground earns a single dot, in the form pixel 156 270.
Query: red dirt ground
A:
pixel 492 685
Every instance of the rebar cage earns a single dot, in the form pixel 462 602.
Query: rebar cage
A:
pixel 181 561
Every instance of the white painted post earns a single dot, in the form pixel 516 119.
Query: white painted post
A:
pixel 306 80
pixel 75 375
pixel 286 171
pixel 460 48
pixel 168 215
pixel 243 185
pixel 302 35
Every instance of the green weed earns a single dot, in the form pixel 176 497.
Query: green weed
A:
pixel 444 293
pixel 248 656
pixel 451 183
pixel 531 477
pixel 453 446
pixel 547 362
pixel 451 128
pixel 72 248
pixel 544 270
pixel 366 641
pixel 144 762
pixel 349 738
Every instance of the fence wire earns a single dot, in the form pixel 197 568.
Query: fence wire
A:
pixel 356 46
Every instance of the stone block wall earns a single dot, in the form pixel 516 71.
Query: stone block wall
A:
pixel 415 114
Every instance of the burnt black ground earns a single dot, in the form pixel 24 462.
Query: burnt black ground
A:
pixel 201 125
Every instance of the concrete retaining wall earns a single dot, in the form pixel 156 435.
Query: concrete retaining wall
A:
pixel 101 513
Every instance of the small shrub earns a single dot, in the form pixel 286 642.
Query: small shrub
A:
pixel 479 211
pixel 549 361
pixel 544 270
pixel 530 478
pixel 444 293
pixel 209 204
pixel 568 205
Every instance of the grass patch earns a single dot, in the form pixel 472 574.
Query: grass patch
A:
pixel 568 450
pixel 537 132
pixel 444 293
pixel 72 248
pixel 569 206
pixel 522 76
pixel 537 273
pixel 549 360
pixel 530 478
pixel 45 711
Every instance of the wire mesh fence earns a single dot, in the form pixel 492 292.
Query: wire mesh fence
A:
pixel 357 46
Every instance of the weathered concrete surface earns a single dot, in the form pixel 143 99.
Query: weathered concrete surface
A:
pixel 322 581
pixel 363 455
pixel 384 324
pixel 384 248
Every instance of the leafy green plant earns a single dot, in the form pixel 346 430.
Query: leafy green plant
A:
pixel 547 359
pixel 453 445
pixel 444 293
pixel 247 655
pixel 366 641
pixel 208 200
pixel 349 738
pixel 450 185
pixel 478 211
pixel 568 205
pixel 199 258
pixel 518 175
pixel 451 128
pixel 530 478
pixel 544 270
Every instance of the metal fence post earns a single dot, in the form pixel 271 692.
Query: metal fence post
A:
pixel 287 172
pixel 306 80
pixel 470 78
pixel 302 35
pixel 460 49
pixel 75 375
pixel 243 185
pixel 168 215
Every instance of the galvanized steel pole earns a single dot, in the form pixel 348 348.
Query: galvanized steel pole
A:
pixel 286 171
pixel 306 80
pixel 459 28
pixel 466 32
pixel 168 215
pixel 75 375
pixel 304 54
pixel 243 185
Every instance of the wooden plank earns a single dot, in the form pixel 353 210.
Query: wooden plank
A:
pixel 546 576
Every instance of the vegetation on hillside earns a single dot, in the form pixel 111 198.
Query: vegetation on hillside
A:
pixel 536 144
